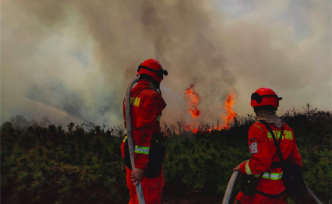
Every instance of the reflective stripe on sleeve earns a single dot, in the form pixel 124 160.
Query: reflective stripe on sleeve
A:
pixel 141 150
pixel 248 171
pixel 158 119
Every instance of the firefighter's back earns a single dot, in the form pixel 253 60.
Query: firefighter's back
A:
pixel 271 182
pixel 265 163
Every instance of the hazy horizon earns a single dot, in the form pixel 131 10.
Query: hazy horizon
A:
pixel 73 60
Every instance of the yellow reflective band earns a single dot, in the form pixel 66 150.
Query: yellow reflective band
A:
pixel 124 140
pixel 135 101
pixel 248 171
pixel 141 150
pixel 272 176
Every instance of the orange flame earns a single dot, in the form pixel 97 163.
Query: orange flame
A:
pixel 230 114
pixel 190 128
pixel 192 102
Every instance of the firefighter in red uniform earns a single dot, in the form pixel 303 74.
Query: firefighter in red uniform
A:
pixel 264 162
pixel 147 105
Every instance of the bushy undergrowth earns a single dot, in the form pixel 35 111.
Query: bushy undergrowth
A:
pixel 49 165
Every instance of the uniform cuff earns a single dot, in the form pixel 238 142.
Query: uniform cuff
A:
pixel 243 167
pixel 141 165
pixel 141 161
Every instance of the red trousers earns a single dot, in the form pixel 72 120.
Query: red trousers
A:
pixel 152 188
pixel 242 198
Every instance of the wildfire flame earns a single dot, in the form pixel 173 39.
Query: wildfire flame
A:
pixel 193 101
pixel 190 128
pixel 230 114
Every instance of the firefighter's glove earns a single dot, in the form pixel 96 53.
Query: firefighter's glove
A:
pixel 137 175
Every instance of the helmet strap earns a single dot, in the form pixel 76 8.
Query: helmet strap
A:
pixel 160 73
pixel 259 98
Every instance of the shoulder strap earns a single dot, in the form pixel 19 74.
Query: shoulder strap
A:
pixel 275 140
pixel 140 92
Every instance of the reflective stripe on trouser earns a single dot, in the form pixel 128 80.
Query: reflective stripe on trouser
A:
pixel 142 150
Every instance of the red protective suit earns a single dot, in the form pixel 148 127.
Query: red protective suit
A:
pixel 147 106
pixel 270 189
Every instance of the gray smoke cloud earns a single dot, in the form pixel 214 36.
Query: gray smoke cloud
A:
pixel 72 60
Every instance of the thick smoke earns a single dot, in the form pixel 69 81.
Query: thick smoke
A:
pixel 72 60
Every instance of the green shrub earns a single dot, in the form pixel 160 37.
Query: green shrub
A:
pixel 50 165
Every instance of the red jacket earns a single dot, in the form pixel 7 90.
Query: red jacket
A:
pixel 147 106
pixel 261 145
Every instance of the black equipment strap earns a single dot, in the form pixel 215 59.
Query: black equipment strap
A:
pixel 160 72
pixel 275 141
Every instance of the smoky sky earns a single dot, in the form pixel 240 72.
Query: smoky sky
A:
pixel 72 60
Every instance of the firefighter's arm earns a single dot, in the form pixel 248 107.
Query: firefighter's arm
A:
pixel 295 156
pixel 145 124
pixel 261 156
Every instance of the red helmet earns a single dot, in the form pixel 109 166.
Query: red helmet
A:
pixel 265 97
pixel 152 68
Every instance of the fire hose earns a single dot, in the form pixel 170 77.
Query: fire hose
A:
pixel 130 138
pixel 229 188
pixel 231 183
